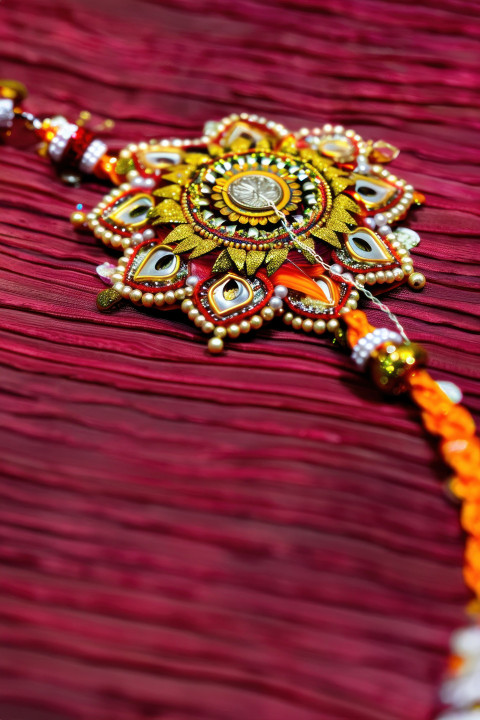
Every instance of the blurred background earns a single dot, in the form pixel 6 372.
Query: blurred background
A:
pixel 261 535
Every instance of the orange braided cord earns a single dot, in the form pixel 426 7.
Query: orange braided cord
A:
pixel 459 446
pixel 358 326
pixel 460 449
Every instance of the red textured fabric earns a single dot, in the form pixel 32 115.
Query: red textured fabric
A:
pixel 258 535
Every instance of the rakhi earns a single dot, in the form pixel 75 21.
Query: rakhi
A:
pixel 252 222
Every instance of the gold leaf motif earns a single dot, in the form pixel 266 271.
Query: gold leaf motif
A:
pixel 337 216
pixel 196 158
pixel 347 203
pixel 180 175
pixel 223 262
pixel 338 225
pixel 238 256
pixel 310 156
pixel 124 165
pixel 169 191
pixel 325 234
pixel 215 150
pixel 203 247
pixel 310 243
pixel 275 259
pixel 254 260
pixel 340 184
pixel 263 144
pixel 240 144
pixel 167 212
pixel 288 145
pixel 179 233
pixel 189 243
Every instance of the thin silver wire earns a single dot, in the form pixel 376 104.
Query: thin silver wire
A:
pixel 298 243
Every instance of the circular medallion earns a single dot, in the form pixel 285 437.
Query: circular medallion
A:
pixel 255 191
pixel 238 198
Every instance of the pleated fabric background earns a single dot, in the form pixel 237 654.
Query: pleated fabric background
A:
pixel 258 535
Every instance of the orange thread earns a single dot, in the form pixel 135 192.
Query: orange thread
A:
pixel 459 446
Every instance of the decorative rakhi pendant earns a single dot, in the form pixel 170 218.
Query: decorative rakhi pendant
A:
pixel 250 222
pixel 229 226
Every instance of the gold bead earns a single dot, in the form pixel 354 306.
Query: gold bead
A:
pixel 267 313
pixel 136 295
pixel 332 325
pixel 215 345
pixel 244 326
pixel 192 314
pixel 256 322
pixel 307 325
pixel 147 300
pixel 186 306
pixel 180 294
pixel 390 365
pixel 297 323
pixel 220 331
pixel 208 327
pixel 199 320
pixel 170 297
pixel 78 218
pixel 233 330
pixel 287 318
pixel 417 280
pixel 319 326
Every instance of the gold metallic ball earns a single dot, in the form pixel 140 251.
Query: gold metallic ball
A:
pixel 215 345
pixel 78 218
pixel 319 326
pixel 256 322
pixel 391 364
pixel 13 90
pixel 244 326
pixel 233 330
pixel 220 331
pixel 267 313
pixel 297 322
pixel 417 280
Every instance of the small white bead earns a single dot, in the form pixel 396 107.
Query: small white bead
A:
pixel 379 219
pixel 281 291
pixel 136 238
pixel 275 303
pixel 191 281
pixel 336 269
pixel 148 234
pixel 384 229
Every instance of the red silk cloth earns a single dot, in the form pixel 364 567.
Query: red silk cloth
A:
pixel 257 535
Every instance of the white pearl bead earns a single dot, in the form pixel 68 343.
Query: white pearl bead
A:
pixel 276 303
pixel 148 234
pixel 379 219
pixel 191 281
pixel 336 269
pixel 370 222
pixel 136 238
pixel 281 291
pixel 384 229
